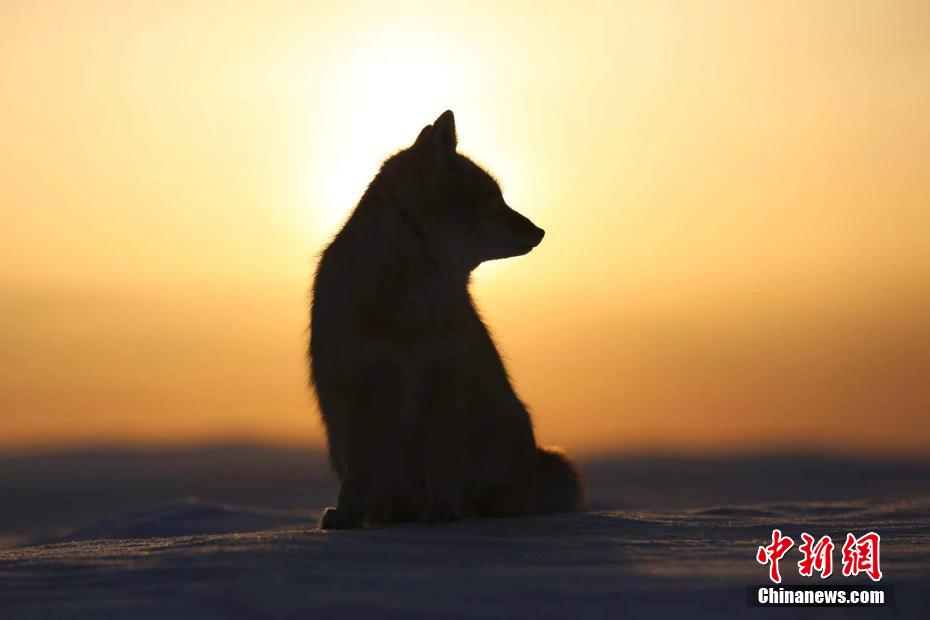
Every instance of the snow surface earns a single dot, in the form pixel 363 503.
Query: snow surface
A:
pixel 219 561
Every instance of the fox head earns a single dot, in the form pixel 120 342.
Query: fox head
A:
pixel 455 203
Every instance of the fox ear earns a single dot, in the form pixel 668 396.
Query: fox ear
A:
pixel 443 133
pixel 423 137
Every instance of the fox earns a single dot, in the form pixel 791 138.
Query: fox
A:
pixel 421 420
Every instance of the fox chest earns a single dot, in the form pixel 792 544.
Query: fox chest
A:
pixel 463 369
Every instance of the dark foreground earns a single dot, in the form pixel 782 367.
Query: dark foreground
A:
pixel 684 563
pixel 667 539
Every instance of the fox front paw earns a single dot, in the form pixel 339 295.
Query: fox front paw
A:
pixel 334 519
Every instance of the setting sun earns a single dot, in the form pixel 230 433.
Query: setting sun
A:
pixel 385 85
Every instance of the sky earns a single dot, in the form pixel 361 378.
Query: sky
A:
pixel 736 197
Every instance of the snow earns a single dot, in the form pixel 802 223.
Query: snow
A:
pixel 198 559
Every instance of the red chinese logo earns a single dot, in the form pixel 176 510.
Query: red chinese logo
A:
pixel 773 553
pixel 817 557
pixel 860 555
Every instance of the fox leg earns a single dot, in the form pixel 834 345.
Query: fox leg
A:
pixel 377 486
pixel 354 484
pixel 373 491
pixel 501 474
pixel 445 455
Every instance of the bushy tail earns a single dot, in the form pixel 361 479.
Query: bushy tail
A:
pixel 559 487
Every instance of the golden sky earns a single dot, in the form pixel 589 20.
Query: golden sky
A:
pixel 736 197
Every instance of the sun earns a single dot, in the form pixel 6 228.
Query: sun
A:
pixel 383 89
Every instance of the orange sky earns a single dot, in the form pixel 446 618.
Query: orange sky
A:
pixel 736 197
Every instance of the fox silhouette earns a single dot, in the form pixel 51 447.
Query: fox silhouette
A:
pixel 421 419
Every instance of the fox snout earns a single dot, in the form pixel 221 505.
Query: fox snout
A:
pixel 525 234
pixel 509 234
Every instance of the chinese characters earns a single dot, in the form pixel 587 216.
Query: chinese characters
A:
pixel 859 555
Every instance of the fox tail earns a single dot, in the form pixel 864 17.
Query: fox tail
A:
pixel 559 485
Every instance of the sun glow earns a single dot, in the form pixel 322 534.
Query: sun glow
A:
pixel 385 86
